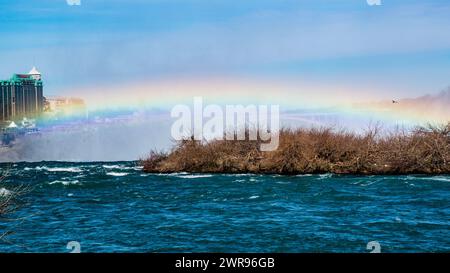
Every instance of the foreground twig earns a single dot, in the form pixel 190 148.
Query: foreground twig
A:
pixel 9 203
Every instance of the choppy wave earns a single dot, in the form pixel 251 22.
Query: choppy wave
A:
pixel 232 208
pixel 116 174
pixel 112 166
pixel 325 176
pixel 193 176
pixel 437 178
pixel 65 183
pixel 240 174
pixel 429 178
pixel 240 180
pixel 122 167
pixel 55 169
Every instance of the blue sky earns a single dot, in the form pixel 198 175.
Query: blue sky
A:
pixel 400 45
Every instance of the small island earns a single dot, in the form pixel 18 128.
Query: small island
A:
pixel 423 150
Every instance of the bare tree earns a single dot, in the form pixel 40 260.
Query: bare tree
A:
pixel 9 203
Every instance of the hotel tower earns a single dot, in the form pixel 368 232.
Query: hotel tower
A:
pixel 21 96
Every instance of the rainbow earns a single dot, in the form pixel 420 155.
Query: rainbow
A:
pixel 290 95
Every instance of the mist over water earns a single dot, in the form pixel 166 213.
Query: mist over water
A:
pixel 108 140
pixel 132 137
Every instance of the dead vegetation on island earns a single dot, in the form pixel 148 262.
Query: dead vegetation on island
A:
pixel 423 150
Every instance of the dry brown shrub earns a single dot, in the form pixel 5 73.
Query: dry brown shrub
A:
pixel 318 150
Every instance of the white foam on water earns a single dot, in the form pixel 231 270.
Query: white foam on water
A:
pixel 439 178
pixel 409 177
pixel 432 178
pixel 116 174
pixel 171 174
pixel 238 174
pixel 368 183
pixel 56 169
pixel 112 166
pixel 122 167
pixel 325 176
pixel 240 180
pixel 253 197
pixel 65 183
pixel 4 192
pixel 190 176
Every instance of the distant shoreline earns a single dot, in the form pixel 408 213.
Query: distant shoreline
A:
pixel 422 151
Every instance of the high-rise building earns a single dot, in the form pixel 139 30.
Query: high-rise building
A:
pixel 21 96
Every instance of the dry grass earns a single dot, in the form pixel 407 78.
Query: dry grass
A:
pixel 424 150
pixel 9 202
